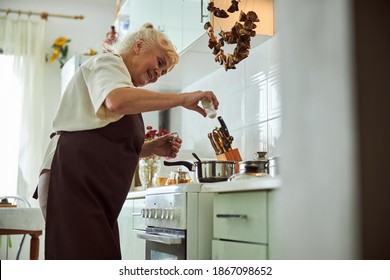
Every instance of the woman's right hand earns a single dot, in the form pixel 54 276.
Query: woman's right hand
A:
pixel 192 99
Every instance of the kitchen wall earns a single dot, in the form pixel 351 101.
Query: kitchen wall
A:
pixel 250 104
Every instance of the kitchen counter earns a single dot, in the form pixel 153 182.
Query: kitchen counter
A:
pixel 264 183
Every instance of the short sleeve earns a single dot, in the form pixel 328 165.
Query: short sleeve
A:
pixel 105 74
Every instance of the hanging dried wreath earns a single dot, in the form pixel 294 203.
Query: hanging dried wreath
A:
pixel 240 34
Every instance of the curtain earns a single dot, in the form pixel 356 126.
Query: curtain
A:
pixel 25 40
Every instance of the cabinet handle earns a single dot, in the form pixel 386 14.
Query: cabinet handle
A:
pixel 235 216
pixel 202 16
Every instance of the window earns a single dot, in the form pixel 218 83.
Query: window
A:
pixel 11 97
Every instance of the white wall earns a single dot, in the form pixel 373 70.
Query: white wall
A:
pixel 90 32
pixel 250 103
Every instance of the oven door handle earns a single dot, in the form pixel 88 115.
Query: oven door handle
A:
pixel 165 239
pixel 236 216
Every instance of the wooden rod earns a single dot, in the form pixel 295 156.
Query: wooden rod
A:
pixel 43 15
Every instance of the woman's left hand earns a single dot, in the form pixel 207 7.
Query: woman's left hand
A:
pixel 165 146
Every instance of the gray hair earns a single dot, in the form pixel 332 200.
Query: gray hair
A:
pixel 151 38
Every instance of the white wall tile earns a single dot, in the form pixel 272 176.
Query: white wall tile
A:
pixel 255 139
pixel 255 106
pixel 250 104
pixel 274 97
pixel 273 61
pixel 231 109
pixel 230 81
pixel 274 134
pixel 256 65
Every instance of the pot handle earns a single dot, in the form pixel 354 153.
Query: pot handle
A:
pixel 187 164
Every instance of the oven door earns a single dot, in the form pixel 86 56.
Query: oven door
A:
pixel 164 244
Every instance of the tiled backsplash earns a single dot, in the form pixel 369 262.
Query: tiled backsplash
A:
pixel 250 104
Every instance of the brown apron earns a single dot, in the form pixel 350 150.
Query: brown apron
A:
pixel 90 178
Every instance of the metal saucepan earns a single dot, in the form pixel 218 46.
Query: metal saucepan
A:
pixel 208 171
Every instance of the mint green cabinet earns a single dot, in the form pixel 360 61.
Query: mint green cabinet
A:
pixel 240 225
pixel 228 250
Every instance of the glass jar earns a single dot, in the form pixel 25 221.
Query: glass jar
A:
pixel 148 167
pixel 178 177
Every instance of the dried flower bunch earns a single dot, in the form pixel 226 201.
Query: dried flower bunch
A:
pixel 240 34
pixel 60 50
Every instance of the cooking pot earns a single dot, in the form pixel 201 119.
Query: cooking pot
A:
pixel 252 169
pixel 208 171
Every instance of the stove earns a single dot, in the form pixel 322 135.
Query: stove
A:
pixel 178 222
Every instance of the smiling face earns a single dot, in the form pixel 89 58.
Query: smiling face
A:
pixel 146 65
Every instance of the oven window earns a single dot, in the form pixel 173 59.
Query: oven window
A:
pixel 157 255
pixel 160 251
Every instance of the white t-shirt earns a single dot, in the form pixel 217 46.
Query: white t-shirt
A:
pixel 81 105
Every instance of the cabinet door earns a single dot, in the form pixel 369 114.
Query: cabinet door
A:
pixel 241 216
pixel 138 221
pixel 137 246
pixel 130 223
pixel 193 21
pixel 125 223
pixel 144 11
pixel 229 250
pixel 171 22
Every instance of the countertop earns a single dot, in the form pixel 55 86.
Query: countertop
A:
pixel 263 183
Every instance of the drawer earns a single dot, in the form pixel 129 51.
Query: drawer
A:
pixel 241 216
pixel 231 250
pixel 138 221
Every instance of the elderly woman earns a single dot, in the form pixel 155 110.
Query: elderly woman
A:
pixel 98 140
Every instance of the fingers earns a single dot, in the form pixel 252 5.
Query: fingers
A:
pixel 214 99
pixel 174 143
pixel 201 111
pixel 175 147
pixel 211 97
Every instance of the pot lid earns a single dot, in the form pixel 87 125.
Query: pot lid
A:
pixel 259 164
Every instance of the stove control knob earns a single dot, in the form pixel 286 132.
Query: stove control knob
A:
pixel 146 212
pixel 171 213
pixel 143 213
pixel 157 213
pixel 165 214
pixel 151 213
pixel 162 214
